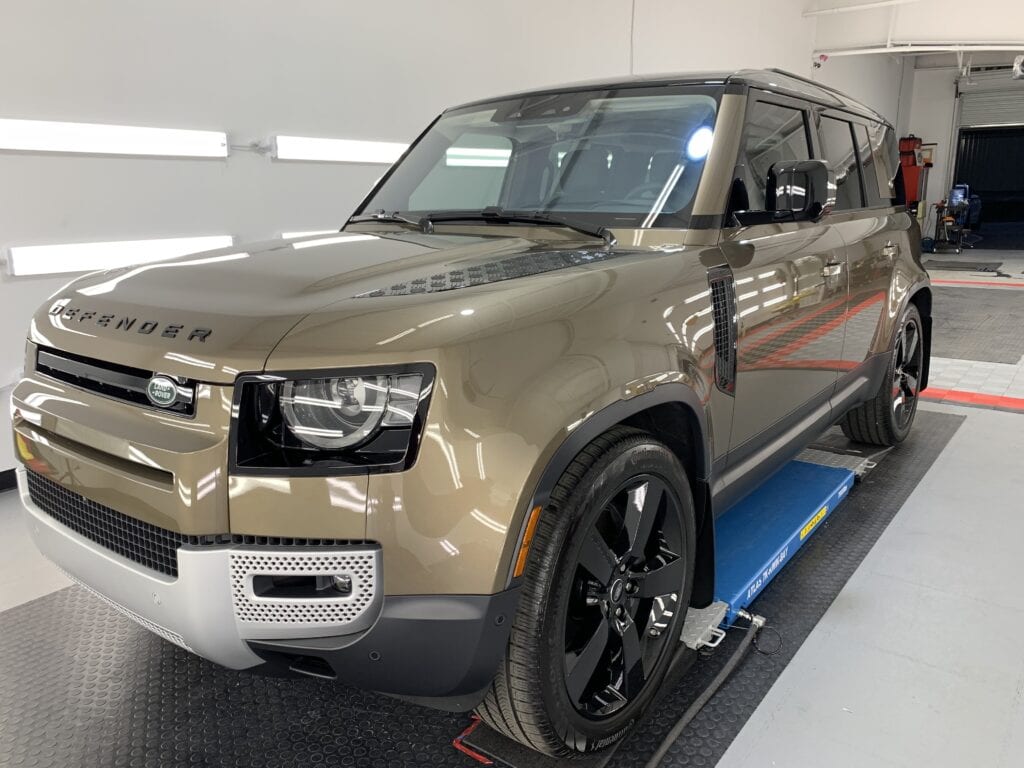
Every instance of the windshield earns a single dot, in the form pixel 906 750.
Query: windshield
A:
pixel 630 157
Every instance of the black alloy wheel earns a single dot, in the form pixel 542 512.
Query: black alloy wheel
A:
pixel 887 417
pixel 906 379
pixel 603 599
pixel 628 574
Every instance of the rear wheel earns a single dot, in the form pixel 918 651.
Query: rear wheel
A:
pixel 887 418
pixel 605 591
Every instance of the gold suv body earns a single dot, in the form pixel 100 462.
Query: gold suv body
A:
pixel 328 451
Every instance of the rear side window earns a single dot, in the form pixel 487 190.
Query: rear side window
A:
pixel 883 150
pixel 837 150
pixel 867 165
pixel 773 134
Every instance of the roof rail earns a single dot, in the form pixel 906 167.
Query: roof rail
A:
pixel 809 81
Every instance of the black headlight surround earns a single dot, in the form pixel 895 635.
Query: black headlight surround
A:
pixel 254 415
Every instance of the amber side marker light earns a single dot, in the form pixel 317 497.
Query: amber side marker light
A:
pixel 524 548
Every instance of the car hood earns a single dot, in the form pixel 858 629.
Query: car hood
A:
pixel 212 315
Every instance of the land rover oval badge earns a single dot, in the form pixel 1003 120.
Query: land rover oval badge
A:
pixel 162 391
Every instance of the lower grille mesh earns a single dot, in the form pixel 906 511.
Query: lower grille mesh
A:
pixel 146 544
pixel 140 542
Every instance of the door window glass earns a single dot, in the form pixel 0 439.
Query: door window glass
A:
pixel 837 150
pixel 773 134
pixel 883 152
pixel 868 167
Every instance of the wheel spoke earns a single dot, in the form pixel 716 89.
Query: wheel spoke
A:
pixel 633 672
pixel 911 388
pixel 582 670
pixel 664 580
pixel 597 557
pixel 897 403
pixel 910 343
pixel 641 508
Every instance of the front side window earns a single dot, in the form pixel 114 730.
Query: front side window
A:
pixel 773 134
pixel 628 157
pixel 837 150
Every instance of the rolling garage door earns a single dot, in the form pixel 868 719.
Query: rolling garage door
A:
pixel 992 98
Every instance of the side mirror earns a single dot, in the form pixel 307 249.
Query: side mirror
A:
pixel 801 190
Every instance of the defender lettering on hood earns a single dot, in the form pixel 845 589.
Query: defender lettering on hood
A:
pixel 130 324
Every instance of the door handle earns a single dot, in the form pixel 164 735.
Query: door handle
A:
pixel 832 269
pixel 890 251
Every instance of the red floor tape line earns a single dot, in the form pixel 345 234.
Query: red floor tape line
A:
pixel 974 398
pixel 457 743
pixel 1000 283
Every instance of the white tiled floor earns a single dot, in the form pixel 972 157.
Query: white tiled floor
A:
pixel 918 661
pixel 24 573
pixel 977 376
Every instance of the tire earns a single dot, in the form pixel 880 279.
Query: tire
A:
pixel 573 634
pixel 886 419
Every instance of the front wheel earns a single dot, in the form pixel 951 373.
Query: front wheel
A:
pixel 887 418
pixel 604 595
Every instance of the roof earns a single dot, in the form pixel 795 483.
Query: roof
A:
pixel 775 80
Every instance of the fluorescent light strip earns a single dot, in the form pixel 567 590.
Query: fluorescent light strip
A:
pixel 331 241
pixel 310 233
pixel 86 257
pixel 94 138
pixel 337 150
pixel 493 158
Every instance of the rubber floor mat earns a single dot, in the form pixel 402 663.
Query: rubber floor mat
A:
pixel 978 324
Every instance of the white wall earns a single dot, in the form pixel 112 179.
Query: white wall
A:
pixel 254 68
pixel 931 118
pixel 875 80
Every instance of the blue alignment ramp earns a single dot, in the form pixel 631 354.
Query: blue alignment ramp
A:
pixel 755 538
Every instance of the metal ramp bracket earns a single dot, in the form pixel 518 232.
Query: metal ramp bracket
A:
pixel 702 626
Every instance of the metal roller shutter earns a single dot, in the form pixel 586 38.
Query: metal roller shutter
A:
pixel 992 98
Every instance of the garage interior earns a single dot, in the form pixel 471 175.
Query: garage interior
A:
pixel 867 659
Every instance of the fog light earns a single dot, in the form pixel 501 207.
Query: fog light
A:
pixel 343 584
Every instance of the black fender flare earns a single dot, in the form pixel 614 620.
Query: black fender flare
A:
pixel 603 420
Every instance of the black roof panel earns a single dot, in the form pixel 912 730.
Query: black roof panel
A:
pixel 769 79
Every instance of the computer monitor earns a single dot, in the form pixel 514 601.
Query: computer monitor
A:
pixel 959 195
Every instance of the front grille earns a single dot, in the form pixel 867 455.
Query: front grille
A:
pixel 145 544
pixel 153 547
pixel 120 382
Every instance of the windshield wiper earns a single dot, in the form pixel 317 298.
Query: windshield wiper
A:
pixel 498 216
pixel 382 215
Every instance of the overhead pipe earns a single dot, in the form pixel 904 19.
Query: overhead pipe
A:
pixel 898 47
pixel 858 7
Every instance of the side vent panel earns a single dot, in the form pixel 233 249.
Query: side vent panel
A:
pixel 723 303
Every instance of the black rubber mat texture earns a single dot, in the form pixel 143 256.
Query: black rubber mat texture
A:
pixel 978 324
pixel 82 686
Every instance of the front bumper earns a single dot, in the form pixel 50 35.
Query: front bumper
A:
pixel 441 648
pixel 211 608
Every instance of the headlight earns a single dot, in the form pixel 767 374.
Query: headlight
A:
pixel 355 420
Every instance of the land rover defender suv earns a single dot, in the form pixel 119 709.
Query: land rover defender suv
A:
pixel 470 449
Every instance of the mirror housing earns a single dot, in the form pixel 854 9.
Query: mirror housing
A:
pixel 801 190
